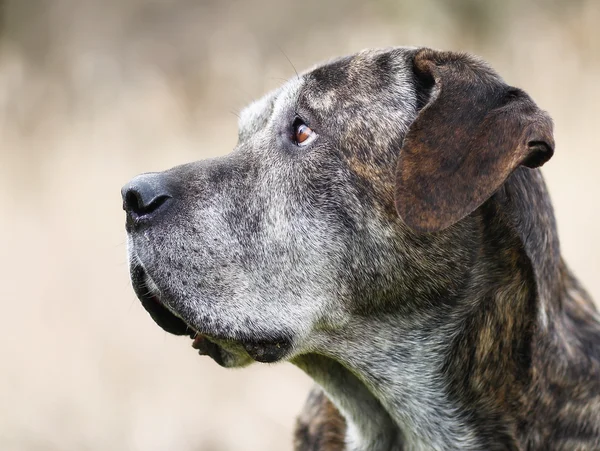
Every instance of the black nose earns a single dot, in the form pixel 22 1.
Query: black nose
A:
pixel 144 195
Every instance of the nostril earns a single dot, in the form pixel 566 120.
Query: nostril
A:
pixel 132 202
pixel 145 194
pixel 156 203
pixel 140 205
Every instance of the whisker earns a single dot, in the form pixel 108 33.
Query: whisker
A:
pixel 289 61
pixel 130 306
pixel 278 79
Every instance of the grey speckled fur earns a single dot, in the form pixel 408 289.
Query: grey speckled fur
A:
pixel 454 327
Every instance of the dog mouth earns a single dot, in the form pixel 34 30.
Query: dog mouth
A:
pixel 157 310
pixel 167 320
pixel 226 352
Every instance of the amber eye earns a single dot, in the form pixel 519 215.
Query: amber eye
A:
pixel 303 135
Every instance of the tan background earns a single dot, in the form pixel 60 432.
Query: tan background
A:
pixel 94 92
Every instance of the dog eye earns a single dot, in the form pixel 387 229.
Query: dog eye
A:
pixel 303 135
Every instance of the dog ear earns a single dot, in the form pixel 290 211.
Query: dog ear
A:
pixel 470 135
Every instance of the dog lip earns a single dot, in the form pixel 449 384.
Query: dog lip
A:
pixel 259 351
pixel 206 347
pixel 267 351
pixel 151 302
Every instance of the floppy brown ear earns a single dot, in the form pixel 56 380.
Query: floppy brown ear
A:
pixel 472 133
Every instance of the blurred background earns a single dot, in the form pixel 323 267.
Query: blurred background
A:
pixel 93 92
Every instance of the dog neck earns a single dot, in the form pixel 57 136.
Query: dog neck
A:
pixel 369 425
pixel 399 392
pixel 473 373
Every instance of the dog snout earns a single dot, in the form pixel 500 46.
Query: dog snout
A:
pixel 145 196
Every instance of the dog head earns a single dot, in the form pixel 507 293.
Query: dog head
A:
pixel 353 190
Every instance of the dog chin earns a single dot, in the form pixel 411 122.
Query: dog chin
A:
pixel 225 351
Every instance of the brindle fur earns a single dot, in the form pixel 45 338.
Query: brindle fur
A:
pixel 407 260
pixel 320 425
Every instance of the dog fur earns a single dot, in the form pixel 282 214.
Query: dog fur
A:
pixel 407 260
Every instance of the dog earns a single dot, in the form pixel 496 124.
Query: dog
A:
pixel 382 225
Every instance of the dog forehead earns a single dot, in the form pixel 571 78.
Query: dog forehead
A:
pixel 361 77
